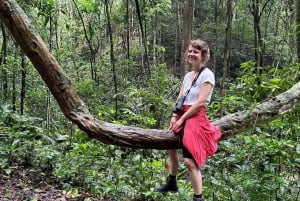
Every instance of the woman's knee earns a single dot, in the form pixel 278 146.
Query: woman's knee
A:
pixel 190 164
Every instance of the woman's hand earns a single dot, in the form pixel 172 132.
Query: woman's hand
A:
pixel 174 124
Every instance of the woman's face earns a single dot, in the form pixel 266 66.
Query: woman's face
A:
pixel 194 56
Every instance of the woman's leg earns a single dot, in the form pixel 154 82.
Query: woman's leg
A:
pixel 195 175
pixel 174 161
pixel 171 183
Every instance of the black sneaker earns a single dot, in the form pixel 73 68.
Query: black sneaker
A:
pixel 169 186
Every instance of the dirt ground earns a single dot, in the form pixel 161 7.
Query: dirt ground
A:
pixel 27 184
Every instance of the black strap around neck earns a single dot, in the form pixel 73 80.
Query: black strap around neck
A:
pixel 195 79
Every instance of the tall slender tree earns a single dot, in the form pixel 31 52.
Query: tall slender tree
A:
pixel 14 80
pixel 3 60
pixel 291 37
pixel 112 56
pixel 127 27
pixel 93 48
pixel 227 48
pixel 143 36
pixel 187 24
pixel 51 44
pixel 297 5
pixel 257 9
pixel 23 81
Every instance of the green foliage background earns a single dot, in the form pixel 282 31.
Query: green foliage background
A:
pixel 260 164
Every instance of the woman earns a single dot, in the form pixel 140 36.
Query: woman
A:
pixel 198 136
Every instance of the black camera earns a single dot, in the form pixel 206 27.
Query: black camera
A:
pixel 179 104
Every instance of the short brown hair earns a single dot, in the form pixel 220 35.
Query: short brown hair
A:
pixel 203 47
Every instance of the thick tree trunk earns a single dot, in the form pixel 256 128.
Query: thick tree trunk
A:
pixel 75 110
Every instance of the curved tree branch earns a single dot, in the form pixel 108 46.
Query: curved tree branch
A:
pixel 76 111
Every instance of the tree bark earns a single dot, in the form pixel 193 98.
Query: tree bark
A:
pixel 76 111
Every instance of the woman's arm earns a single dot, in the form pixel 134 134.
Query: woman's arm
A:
pixel 181 92
pixel 174 115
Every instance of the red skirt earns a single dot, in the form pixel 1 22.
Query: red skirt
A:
pixel 200 136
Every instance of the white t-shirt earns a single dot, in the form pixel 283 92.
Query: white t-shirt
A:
pixel 206 76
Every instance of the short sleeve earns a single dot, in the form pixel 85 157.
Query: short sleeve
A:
pixel 207 76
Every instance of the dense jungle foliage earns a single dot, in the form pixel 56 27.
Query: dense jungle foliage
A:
pixel 123 58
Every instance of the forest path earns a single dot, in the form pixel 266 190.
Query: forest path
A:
pixel 29 184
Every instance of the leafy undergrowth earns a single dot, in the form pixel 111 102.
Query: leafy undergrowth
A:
pixel 260 164
pixel 31 184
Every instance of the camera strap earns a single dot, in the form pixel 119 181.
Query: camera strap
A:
pixel 194 81
pixel 180 100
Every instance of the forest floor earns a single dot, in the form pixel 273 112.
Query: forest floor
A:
pixel 28 184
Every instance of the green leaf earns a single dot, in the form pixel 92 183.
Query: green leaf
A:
pixel 275 80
